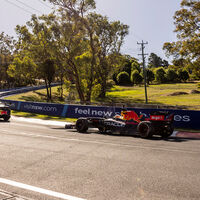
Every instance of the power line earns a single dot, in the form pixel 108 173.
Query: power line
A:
pixel 44 4
pixel 19 7
pixel 29 6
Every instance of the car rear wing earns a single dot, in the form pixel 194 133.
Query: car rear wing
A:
pixel 161 116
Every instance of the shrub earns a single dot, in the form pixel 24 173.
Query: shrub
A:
pixel 123 78
pixel 136 78
pixel 160 75
pixel 183 75
pixel 171 75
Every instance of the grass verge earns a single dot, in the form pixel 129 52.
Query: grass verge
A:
pixel 44 117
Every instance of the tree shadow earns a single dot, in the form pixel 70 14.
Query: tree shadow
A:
pixel 32 98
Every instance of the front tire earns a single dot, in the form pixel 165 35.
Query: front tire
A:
pixel 82 125
pixel 145 129
pixel 102 130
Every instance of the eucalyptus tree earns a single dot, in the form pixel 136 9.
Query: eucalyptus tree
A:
pixel 92 43
pixel 154 61
pixel 22 70
pixel 109 37
pixel 187 22
pixel 7 44
pixel 78 44
pixel 36 41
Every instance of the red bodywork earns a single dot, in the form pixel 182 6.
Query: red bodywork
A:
pixel 131 115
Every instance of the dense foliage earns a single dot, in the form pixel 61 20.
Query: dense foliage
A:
pixel 81 49
pixel 187 47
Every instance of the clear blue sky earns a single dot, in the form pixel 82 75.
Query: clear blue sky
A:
pixel 149 20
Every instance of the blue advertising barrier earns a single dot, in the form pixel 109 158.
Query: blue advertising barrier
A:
pixel 182 118
pixel 38 108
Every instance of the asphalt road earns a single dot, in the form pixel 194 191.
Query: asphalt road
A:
pixel 40 162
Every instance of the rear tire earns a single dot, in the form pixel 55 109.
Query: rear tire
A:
pixel 145 129
pixel 167 132
pixel 82 125
pixel 6 118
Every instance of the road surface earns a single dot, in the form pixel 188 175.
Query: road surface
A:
pixel 40 161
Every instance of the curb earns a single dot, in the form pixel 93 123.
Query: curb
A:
pixel 190 135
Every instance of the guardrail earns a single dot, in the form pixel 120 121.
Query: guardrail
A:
pixel 182 118
pixel 8 92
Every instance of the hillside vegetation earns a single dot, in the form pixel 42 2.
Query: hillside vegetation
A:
pixel 182 95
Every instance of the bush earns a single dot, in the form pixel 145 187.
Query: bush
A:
pixel 171 75
pixel 183 75
pixel 123 78
pixel 160 75
pixel 136 78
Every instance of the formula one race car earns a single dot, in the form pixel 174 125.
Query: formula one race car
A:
pixel 4 111
pixel 159 123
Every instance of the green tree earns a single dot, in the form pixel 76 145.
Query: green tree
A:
pixel 78 38
pixel 7 44
pixel 23 71
pixel 150 76
pixel 36 40
pixel 187 25
pixel 109 37
pixel 102 42
pixel 154 61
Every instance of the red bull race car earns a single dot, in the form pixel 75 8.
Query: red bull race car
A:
pixel 4 111
pixel 129 122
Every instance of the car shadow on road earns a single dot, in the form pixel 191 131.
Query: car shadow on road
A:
pixel 154 138
pixel 2 121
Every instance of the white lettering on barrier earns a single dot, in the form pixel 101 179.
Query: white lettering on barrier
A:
pixel 180 118
pixel 93 112
pixel 41 108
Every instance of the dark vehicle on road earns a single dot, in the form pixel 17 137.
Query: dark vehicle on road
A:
pixel 158 123
pixel 4 111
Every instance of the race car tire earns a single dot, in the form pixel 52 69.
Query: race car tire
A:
pixel 82 125
pixel 145 129
pixel 102 130
pixel 6 118
pixel 167 131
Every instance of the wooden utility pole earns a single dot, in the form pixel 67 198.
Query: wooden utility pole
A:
pixel 144 69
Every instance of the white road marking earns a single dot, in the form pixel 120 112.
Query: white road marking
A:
pixel 40 121
pixel 39 190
